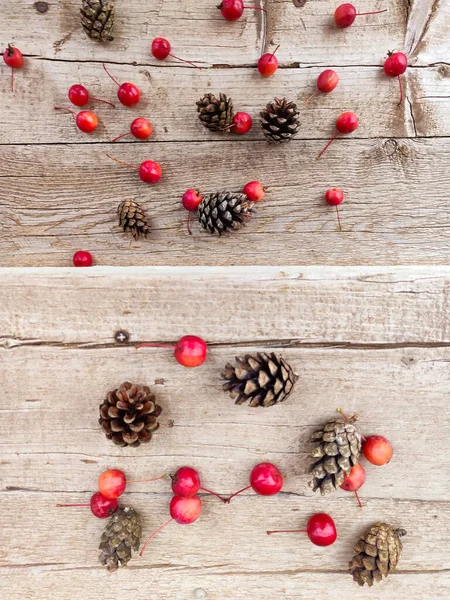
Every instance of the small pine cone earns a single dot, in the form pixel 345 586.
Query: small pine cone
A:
pixel 263 380
pixel 129 415
pixel 376 553
pixel 279 121
pixel 132 218
pixel 215 114
pixel 224 211
pixel 337 449
pixel 97 19
pixel 122 535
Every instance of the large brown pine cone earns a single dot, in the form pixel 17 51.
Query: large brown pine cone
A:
pixel 97 19
pixel 261 380
pixel 224 211
pixel 122 535
pixel 132 218
pixel 129 415
pixel 215 113
pixel 337 449
pixel 279 121
pixel 377 553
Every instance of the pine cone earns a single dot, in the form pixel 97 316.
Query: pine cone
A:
pixel 132 218
pixel 279 121
pixel 222 211
pixel 215 114
pixel 129 415
pixel 97 19
pixel 263 380
pixel 122 534
pixel 338 446
pixel 376 553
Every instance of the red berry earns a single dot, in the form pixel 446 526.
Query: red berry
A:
pixel 266 479
pixel 334 196
pixel 141 128
pixel 82 258
pixel 268 63
pixel 345 123
pixel 321 530
pixel 190 351
pixel 103 507
pixel 355 479
pixel 254 191
pixel 128 93
pixel 231 9
pixel 185 510
pixel 186 482
pixel 396 64
pixel 160 48
pixel 377 450
pixel 79 96
pixel 191 199
pixel 13 58
pixel 87 121
pixel 345 14
pixel 327 81
pixel 242 122
pixel 150 171
pixel 112 483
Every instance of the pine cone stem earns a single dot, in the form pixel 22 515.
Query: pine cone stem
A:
pixel 340 411
pixel 109 75
pixel 153 535
pixel 121 162
pixel 228 500
pixel 286 531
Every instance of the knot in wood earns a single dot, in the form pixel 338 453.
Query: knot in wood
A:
pixel 41 7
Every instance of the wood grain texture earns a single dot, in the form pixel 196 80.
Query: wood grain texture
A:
pixel 372 340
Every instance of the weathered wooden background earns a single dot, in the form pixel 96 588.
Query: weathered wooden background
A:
pixel 371 340
pixel 59 192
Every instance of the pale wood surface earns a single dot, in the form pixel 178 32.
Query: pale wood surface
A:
pixel 371 340
pixel 59 192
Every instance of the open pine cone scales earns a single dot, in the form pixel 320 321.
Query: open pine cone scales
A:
pixel 97 19
pixel 122 535
pixel 279 121
pixel 261 380
pixel 215 113
pixel 129 415
pixel 132 218
pixel 377 553
pixel 224 211
pixel 337 449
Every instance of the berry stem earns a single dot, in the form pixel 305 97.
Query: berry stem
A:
pixel 186 61
pixel 339 219
pixel 189 223
pixel 109 74
pixel 228 500
pixel 376 12
pixel 256 8
pixel 121 162
pixel 149 345
pixel 66 505
pixel 401 89
pixel 119 137
pixel 153 535
pixel 311 97
pixel 66 109
pixel 104 101
pixel 347 419
pixel 273 53
pixel 359 500
pixel 145 480
pixel 328 145
pixel 214 494
pixel 12 79
pixel 286 531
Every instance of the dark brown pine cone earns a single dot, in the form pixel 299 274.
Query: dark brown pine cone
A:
pixel 97 19
pixel 122 535
pixel 215 113
pixel 279 121
pixel 132 218
pixel 129 415
pixel 224 211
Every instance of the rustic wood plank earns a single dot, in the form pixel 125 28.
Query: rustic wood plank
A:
pixel 57 199
pixel 428 32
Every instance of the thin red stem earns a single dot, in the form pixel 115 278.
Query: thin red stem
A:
pixel 189 223
pixel 287 531
pixel 66 505
pixel 273 53
pixel 328 145
pixel 214 494
pixel 339 219
pixel 228 500
pixel 121 162
pixel 109 74
pixel 12 80
pixel 153 535
pixel 66 109
pixel 347 419
pixel 104 101
pixel 148 345
pixel 119 137
pixel 256 8
pixel 186 61
pixel 359 500
pixel 401 90
pixel 376 12
pixel 311 97
pixel 145 480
